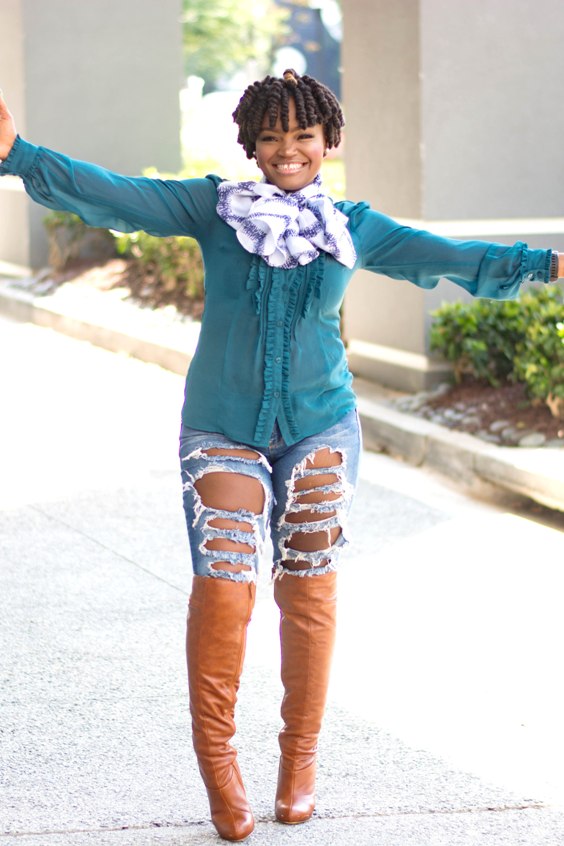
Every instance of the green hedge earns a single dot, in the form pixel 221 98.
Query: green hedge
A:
pixel 169 263
pixel 513 340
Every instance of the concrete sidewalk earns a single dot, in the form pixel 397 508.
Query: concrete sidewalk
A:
pixel 444 723
pixel 163 338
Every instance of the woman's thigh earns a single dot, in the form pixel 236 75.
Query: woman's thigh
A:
pixel 227 495
pixel 314 483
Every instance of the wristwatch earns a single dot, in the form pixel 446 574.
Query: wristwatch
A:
pixel 554 267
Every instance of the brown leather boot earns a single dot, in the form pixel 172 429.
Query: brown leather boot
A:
pixel 307 634
pixel 218 614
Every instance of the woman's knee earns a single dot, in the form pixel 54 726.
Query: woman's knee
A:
pixel 311 528
pixel 229 508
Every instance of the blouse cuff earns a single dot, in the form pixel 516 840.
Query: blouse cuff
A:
pixel 536 265
pixel 20 159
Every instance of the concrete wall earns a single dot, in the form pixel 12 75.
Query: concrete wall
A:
pixel 381 94
pixel 492 74
pixel 98 81
pixel 451 114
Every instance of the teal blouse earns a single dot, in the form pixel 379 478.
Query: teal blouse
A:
pixel 270 347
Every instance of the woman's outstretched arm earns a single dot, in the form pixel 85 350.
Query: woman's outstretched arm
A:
pixel 103 198
pixel 484 269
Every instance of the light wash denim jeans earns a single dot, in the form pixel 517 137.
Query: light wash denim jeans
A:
pixel 277 468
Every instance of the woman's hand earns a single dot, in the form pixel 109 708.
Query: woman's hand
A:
pixel 7 129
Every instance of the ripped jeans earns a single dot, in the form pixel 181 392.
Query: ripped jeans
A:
pixel 301 493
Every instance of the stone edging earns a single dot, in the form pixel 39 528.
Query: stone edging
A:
pixel 467 460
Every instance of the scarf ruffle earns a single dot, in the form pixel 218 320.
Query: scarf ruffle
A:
pixel 285 228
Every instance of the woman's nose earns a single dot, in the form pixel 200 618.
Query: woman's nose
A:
pixel 287 146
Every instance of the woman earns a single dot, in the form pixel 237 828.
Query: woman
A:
pixel 270 436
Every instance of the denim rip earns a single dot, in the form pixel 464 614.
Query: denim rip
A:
pixel 278 479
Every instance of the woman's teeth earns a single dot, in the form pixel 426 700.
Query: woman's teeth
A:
pixel 289 168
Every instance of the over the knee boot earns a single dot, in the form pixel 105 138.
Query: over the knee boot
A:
pixel 218 614
pixel 308 607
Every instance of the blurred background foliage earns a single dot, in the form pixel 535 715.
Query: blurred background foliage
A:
pixel 227 42
pixel 222 37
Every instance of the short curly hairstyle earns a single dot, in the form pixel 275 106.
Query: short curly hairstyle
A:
pixel 315 103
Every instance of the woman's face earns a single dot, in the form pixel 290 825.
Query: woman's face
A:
pixel 290 160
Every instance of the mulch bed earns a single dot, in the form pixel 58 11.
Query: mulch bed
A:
pixel 508 402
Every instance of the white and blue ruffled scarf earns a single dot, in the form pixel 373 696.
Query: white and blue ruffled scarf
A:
pixel 285 228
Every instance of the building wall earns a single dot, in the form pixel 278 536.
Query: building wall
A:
pixel 381 93
pixel 451 116
pixel 99 81
pixel 491 128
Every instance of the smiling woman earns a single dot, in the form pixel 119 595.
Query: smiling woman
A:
pixel 270 437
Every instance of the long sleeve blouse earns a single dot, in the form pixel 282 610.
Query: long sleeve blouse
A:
pixel 270 346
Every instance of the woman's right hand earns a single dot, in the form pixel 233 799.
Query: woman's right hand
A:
pixel 7 129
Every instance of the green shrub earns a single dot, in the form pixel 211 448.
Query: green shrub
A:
pixel 479 338
pixel 517 340
pixel 540 357
pixel 172 263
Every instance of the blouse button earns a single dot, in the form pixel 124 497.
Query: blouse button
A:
pixel 280 323
pixel 276 394
pixel 278 359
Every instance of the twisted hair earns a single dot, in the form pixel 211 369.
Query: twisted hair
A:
pixel 315 103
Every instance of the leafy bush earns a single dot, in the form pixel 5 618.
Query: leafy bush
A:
pixel 540 356
pixel 513 340
pixel 167 263
pixel 479 338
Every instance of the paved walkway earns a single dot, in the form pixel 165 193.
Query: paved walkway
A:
pixel 444 724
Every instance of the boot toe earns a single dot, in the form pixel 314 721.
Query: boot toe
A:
pixel 230 811
pixel 294 812
pixel 235 829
